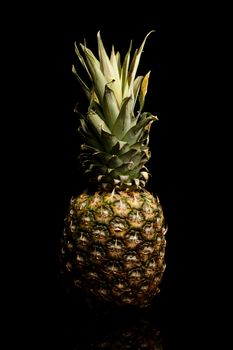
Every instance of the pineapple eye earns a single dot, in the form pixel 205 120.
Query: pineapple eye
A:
pixel 118 226
pixel 115 248
pixel 136 218
pixel 135 276
pixel 147 248
pixel 148 231
pixel 132 239
pixel 86 220
pixel 103 292
pixel 121 208
pixel 92 275
pixel 127 299
pixel 100 234
pixel 120 285
pixel 152 264
pixel 97 254
pixel 131 260
pixel 103 215
pixel 112 268
pixel 83 204
pixel 147 208
pixel 80 259
pixel 131 257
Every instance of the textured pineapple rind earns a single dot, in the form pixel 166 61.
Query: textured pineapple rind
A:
pixel 113 246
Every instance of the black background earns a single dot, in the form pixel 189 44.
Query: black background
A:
pixel 44 171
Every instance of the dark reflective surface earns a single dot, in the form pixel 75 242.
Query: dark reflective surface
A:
pixel 70 322
pixel 140 334
pixel 112 329
pixel 81 326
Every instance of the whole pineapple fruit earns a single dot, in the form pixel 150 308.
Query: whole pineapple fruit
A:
pixel 113 244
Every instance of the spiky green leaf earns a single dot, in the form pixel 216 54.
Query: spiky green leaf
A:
pixel 109 70
pixel 93 66
pixel 135 62
pixel 96 123
pixel 125 119
pixel 108 140
pixel 81 82
pixel 124 74
pixel 110 107
pixel 134 134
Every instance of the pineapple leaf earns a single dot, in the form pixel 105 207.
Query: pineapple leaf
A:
pixel 135 62
pixel 125 148
pixel 115 161
pixel 81 59
pixel 124 73
pixel 136 159
pixel 129 155
pixel 110 72
pixel 118 59
pixel 89 139
pixel 136 170
pixel 83 85
pixel 125 119
pixel 134 134
pixel 115 61
pixel 93 66
pixel 105 64
pixel 95 106
pixel 89 149
pixel 136 88
pixel 96 122
pixel 143 90
pixel 118 147
pixel 121 170
pixel 103 157
pixel 108 140
pixel 98 168
pixel 110 107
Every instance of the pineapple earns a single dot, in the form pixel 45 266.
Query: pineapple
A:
pixel 113 245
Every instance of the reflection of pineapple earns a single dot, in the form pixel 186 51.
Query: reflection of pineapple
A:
pixel 141 335
pixel 114 238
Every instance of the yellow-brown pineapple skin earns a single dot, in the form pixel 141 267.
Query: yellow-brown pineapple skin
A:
pixel 113 246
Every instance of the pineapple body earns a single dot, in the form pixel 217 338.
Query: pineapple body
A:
pixel 113 245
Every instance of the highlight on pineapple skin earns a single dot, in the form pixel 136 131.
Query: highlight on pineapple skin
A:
pixel 113 245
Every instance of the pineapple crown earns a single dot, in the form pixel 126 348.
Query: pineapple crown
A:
pixel 116 138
